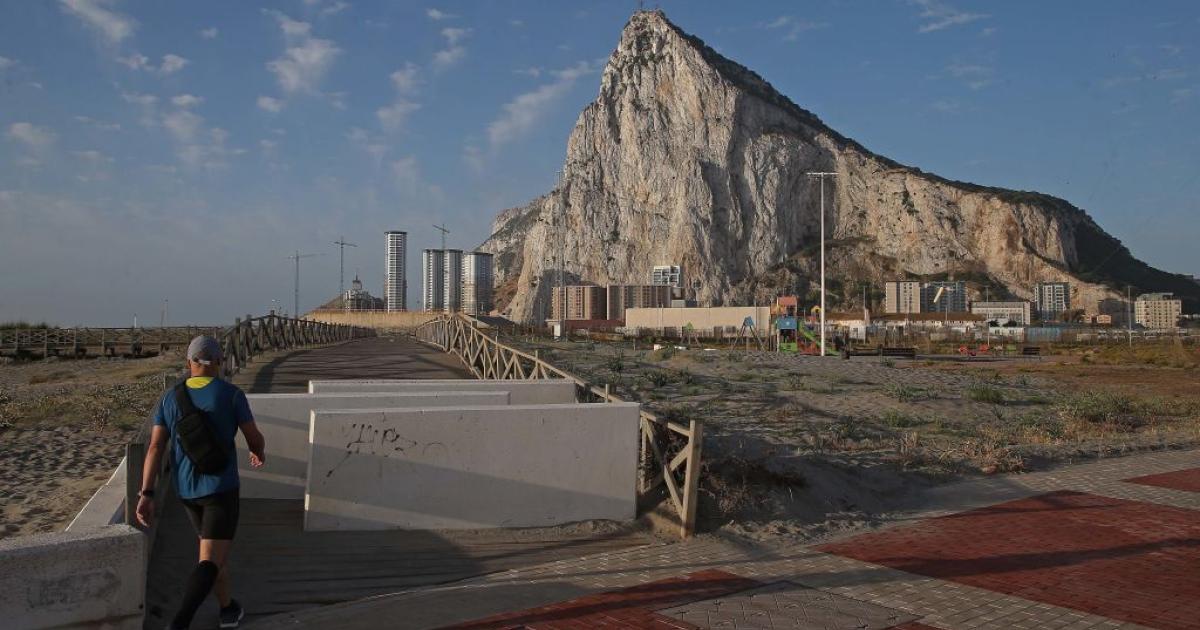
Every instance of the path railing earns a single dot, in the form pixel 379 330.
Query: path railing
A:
pixel 669 450
pixel 239 343
pixel 104 341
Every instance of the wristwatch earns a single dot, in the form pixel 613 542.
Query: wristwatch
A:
pixel 149 494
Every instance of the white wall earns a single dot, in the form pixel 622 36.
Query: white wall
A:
pixel 521 392
pixel 283 420
pixel 472 467
pixel 93 579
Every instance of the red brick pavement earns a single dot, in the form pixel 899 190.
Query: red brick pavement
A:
pixel 1188 480
pixel 625 608
pixel 1127 560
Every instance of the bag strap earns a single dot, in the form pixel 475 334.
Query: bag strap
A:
pixel 183 400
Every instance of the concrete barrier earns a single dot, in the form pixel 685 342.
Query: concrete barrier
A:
pixel 283 420
pixel 522 392
pixel 71 579
pixel 107 505
pixel 471 467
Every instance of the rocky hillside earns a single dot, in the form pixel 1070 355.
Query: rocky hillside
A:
pixel 686 157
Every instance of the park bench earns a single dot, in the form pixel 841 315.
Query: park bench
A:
pixel 910 353
pixel 1032 351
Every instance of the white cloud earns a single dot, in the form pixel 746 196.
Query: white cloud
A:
pixel 393 116
pixel 437 15
pixel 209 33
pixel 454 51
pixel 267 146
pixel 110 25
pixel 945 106
pixel 973 76
pixel 98 124
pixel 793 27
pixel 170 63
pixel 186 100
pixel 407 173
pixel 521 114
pixel 532 71
pixel 6 63
pixel 145 100
pixel 939 15
pixel 406 79
pixel 273 105
pixel 333 9
pixel 306 59
pixel 182 124
pixel 515 23
pixel 36 138
pixel 93 156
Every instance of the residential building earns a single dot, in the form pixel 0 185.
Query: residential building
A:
pixel 1157 311
pixel 357 299
pixel 944 297
pixel 625 296
pixel 1016 312
pixel 395 283
pixel 1053 299
pixel 433 279
pixel 477 283
pixel 452 280
pixel 902 296
pixel 668 275
pixel 584 301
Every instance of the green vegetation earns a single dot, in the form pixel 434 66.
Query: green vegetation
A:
pixel 984 393
pixel 904 393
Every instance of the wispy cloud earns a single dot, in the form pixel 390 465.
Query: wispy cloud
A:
pixel 333 9
pixel 438 15
pixel 407 79
pixel 170 64
pixel 454 51
pixel 520 115
pixel 945 106
pixel 186 100
pixel 268 104
pixel 97 124
pixel 974 76
pixel 305 60
pixel 393 117
pixel 938 15
pixel 6 63
pixel 793 27
pixel 38 139
pixel 1164 74
pixel 112 27
pixel 209 33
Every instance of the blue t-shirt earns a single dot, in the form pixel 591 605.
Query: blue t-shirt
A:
pixel 227 409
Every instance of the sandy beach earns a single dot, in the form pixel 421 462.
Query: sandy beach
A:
pixel 63 429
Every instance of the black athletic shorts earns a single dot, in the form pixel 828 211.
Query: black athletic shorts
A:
pixel 215 516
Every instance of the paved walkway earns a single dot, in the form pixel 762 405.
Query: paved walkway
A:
pixel 277 567
pixel 1108 544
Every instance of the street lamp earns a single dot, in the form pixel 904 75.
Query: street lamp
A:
pixel 822 177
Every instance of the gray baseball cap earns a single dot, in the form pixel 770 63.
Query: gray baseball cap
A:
pixel 204 350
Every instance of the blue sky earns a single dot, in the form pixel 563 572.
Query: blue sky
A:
pixel 155 150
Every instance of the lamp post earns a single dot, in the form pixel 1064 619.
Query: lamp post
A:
pixel 822 176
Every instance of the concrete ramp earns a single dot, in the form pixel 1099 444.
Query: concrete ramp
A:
pixel 284 418
pixel 522 392
pixel 471 467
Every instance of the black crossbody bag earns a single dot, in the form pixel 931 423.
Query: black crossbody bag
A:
pixel 198 437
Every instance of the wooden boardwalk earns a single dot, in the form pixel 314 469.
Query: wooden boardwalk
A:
pixel 277 567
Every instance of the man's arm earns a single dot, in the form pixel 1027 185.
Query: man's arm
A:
pixel 150 468
pixel 255 442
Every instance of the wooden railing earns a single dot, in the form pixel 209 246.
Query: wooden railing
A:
pixel 239 344
pixel 669 451
pixel 103 341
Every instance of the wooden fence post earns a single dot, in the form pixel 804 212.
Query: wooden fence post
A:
pixel 691 479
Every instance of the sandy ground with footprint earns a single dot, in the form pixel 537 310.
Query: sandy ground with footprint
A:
pixel 63 430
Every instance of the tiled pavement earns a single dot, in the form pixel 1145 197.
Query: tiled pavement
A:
pixel 1059 549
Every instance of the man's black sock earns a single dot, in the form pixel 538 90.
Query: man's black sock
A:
pixel 198 585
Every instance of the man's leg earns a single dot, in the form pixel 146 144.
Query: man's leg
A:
pixel 212 557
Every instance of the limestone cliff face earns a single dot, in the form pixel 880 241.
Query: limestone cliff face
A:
pixel 688 158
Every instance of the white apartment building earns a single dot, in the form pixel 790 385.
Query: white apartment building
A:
pixel 433 278
pixel 477 281
pixel 395 284
pixel 1157 311
pixel 1018 312
pixel 452 280
pixel 944 297
pixel 902 296
pixel 1052 300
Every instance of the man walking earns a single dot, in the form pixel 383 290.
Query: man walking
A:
pixel 200 418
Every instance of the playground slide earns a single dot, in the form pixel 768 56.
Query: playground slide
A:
pixel 807 334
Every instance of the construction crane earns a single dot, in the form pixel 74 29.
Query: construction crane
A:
pixel 444 231
pixel 342 245
pixel 296 287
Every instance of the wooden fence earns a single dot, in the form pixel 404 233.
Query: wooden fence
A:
pixel 77 342
pixel 239 344
pixel 669 450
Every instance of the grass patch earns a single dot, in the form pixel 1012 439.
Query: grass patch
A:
pixel 904 393
pixel 899 420
pixel 984 393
